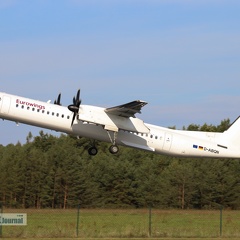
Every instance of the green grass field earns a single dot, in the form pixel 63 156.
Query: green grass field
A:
pixel 121 238
pixel 128 223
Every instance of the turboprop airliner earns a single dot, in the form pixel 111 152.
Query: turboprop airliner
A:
pixel 119 125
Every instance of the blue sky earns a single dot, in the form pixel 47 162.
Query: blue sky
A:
pixel 182 57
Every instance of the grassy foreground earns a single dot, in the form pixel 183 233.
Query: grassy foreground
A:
pixel 128 224
pixel 120 238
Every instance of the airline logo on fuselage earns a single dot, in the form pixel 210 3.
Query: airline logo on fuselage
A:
pixel 30 104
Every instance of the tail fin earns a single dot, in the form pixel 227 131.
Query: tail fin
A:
pixel 232 134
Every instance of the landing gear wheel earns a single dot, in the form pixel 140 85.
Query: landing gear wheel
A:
pixel 113 149
pixel 92 151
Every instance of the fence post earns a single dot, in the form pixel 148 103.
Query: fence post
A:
pixel 78 217
pixel 150 222
pixel 221 209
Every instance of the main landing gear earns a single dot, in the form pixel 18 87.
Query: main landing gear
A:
pixel 113 149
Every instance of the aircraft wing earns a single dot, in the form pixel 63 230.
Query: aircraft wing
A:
pixel 127 110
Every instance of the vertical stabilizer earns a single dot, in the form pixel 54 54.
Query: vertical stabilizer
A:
pixel 232 135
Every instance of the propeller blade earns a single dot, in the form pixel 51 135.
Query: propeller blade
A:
pixel 78 95
pixel 78 102
pixel 77 99
pixel 75 106
pixel 74 115
pixel 58 101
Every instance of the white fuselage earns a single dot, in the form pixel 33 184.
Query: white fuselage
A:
pixel 93 122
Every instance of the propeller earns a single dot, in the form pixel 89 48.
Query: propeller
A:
pixel 75 106
pixel 58 101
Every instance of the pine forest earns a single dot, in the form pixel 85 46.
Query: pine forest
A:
pixel 56 172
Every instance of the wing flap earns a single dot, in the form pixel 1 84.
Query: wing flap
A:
pixel 144 147
pixel 128 109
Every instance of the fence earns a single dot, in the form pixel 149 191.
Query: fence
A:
pixel 122 223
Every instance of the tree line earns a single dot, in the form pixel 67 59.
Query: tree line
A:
pixel 57 172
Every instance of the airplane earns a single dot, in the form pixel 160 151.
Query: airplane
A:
pixel 119 126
